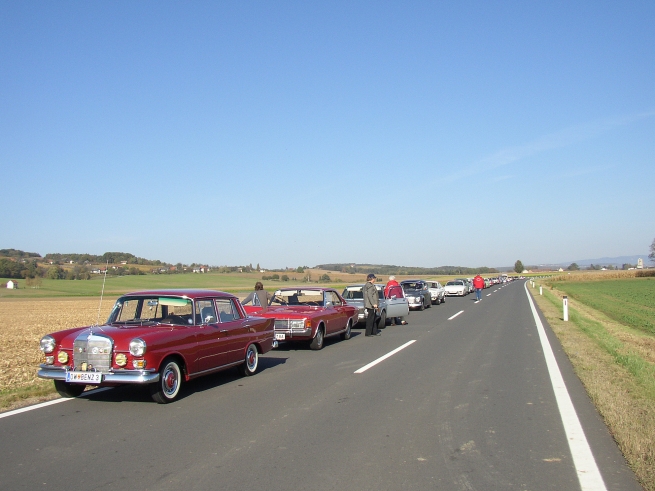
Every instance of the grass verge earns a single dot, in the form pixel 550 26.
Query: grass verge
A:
pixel 615 363
pixel 40 391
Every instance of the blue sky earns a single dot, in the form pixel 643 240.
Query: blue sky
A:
pixel 294 133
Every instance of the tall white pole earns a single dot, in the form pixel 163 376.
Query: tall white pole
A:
pixel 565 299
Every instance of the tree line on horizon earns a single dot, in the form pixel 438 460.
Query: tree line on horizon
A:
pixel 383 269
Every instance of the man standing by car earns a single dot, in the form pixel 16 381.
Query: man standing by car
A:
pixel 478 284
pixel 371 305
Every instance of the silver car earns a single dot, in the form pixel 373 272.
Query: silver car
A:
pixel 457 287
pixel 437 292
pixel 388 308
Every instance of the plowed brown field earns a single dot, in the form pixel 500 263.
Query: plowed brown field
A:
pixel 24 322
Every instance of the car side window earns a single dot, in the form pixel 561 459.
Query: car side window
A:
pixel 205 312
pixel 235 310
pixel 225 310
pixel 335 299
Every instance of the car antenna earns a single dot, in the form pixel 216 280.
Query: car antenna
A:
pixel 102 294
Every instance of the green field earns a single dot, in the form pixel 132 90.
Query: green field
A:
pixel 629 301
pixel 229 282
pixel 117 285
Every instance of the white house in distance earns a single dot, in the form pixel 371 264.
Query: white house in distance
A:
pixel 12 285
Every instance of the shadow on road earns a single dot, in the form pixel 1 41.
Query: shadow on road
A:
pixel 140 393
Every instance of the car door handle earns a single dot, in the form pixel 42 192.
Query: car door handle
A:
pixel 223 331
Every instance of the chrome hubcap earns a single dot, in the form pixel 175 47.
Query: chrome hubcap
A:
pixel 252 358
pixel 170 381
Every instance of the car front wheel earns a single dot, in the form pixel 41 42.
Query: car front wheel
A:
pixel 67 390
pixel 170 381
pixel 317 343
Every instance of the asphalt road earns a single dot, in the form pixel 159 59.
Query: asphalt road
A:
pixel 469 405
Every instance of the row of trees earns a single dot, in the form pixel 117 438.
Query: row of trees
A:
pixel 107 257
pixel 404 270
pixel 20 269
pixel 81 272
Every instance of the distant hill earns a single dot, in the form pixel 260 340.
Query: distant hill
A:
pixel 617 261
pixel 17 254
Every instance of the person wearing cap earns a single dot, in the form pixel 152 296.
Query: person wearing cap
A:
pixel 371 305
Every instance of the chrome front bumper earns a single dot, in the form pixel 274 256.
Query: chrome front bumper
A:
pixel 119 377
pixel 291 333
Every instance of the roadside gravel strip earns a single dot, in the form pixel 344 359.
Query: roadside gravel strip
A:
pixel 585 464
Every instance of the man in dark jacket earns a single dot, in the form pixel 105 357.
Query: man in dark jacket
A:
pixel 371 305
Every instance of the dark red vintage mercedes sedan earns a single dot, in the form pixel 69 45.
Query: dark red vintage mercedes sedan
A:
pixel 309 314
pixel 158 338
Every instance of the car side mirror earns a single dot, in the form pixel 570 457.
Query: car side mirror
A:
pixel 393 297
pixel 209 319
pixel 328 304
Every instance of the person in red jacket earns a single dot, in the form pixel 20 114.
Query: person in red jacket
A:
pixel 393 288
pixel 478 284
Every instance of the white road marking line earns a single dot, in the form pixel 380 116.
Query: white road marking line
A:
pixel 488 294
pixel 451 318
pixel 585 464
pixel 49 403
pixel 382 358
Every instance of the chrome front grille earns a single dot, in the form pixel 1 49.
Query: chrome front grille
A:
pixel 92 352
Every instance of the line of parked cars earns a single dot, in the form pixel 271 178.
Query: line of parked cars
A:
pixel 161 339
pixel 463 286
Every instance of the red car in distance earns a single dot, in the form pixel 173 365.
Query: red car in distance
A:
pixel 309 314
pixel 158 338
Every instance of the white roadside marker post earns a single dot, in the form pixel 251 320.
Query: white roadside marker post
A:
pixel 565 300
pixel 541 291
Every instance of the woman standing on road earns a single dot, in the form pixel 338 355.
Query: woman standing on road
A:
pixel 394 288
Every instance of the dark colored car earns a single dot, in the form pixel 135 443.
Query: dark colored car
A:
pixel 159 338
pixel 417 293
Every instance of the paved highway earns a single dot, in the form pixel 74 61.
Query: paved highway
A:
pixel 466 403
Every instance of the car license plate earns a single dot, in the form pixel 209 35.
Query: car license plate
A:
pixel 84 377
pixel 280 336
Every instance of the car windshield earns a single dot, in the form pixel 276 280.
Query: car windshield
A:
pixel 353 293
pixel 152 309
pixel 412 286
pixel 455 283
pixel 298 297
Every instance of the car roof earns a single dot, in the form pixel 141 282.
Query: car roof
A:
pixel 181 292
pixel 317 288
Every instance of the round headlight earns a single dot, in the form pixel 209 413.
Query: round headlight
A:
pixel 47 344
pixel 62 357
pixel 137 347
